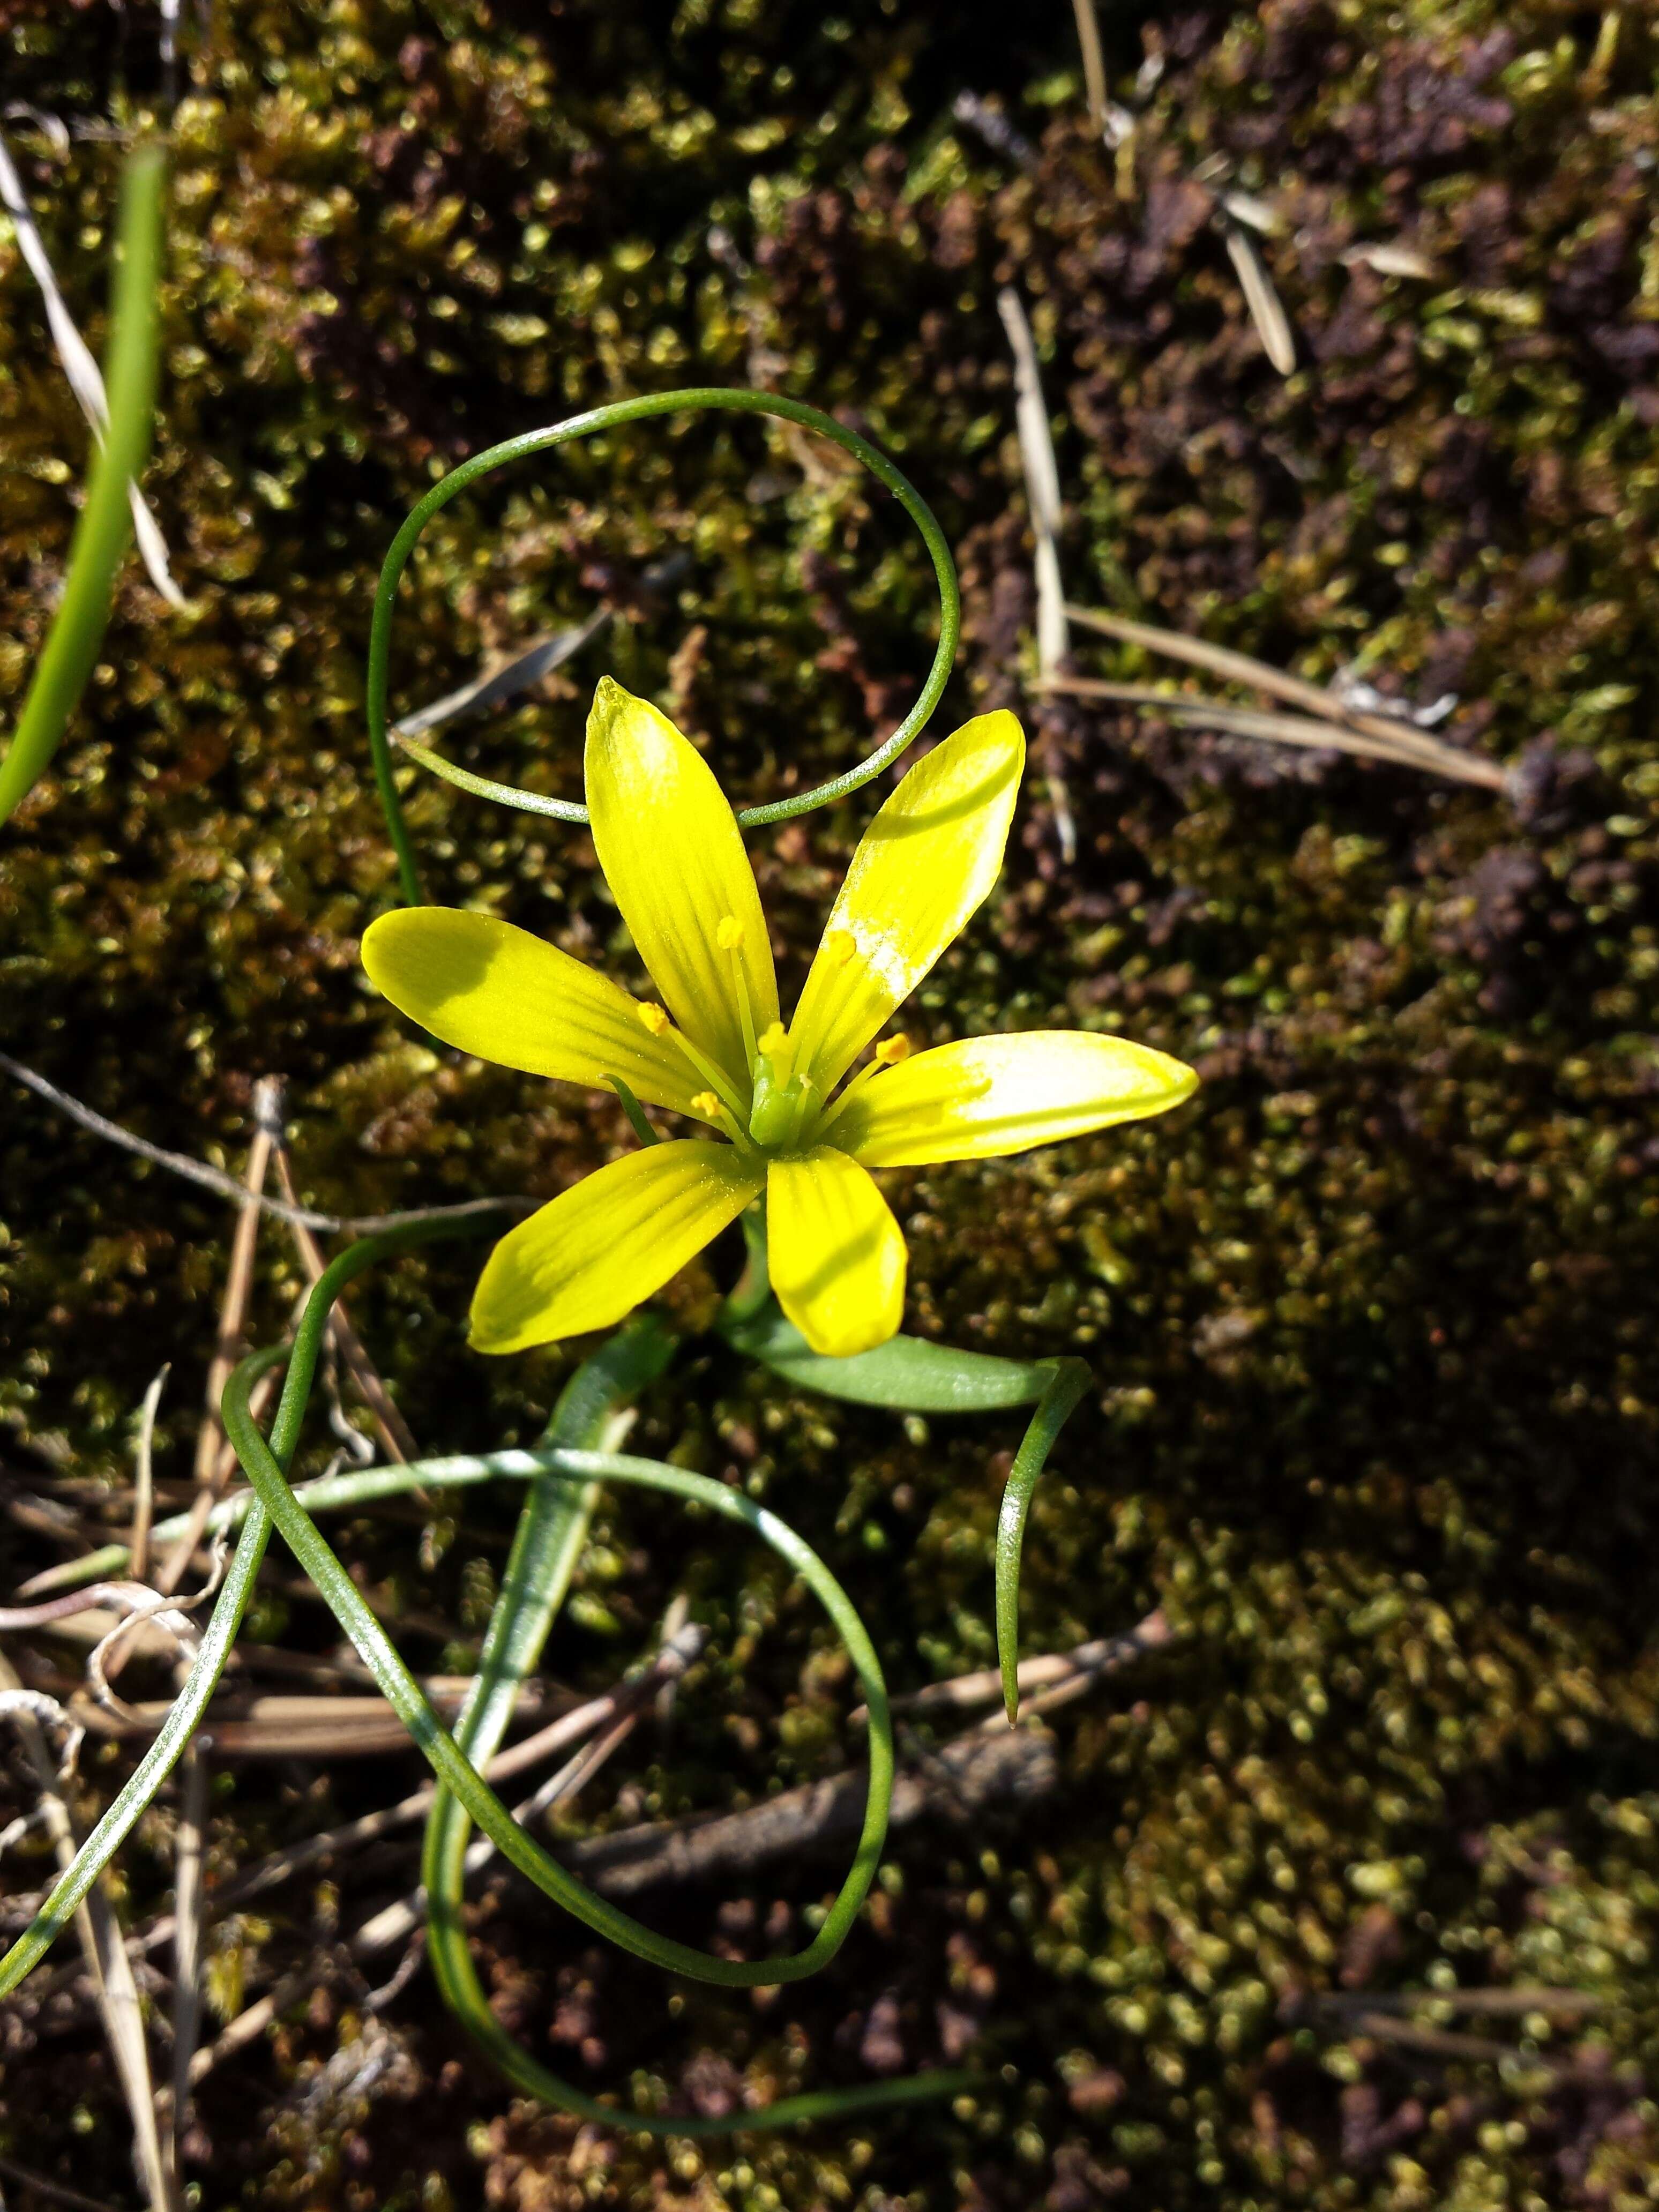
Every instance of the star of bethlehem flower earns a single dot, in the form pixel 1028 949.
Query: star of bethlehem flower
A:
pixel 784 1124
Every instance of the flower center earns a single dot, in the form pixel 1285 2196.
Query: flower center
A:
pixel 779 1101
pixel 782 1099
pixel 786 1107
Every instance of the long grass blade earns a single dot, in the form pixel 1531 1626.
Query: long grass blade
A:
pixel 80 370
pixel 100 536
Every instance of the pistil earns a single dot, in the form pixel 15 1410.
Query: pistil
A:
pixel 776 1094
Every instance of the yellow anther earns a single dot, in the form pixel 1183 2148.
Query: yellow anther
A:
pixel 653 1018
pixel 841 947
pixel 729 935
pixel 708 1105
pixel 774 1041
pixel 892 1049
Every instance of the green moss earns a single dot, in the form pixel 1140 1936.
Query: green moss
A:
pixel 1373 1317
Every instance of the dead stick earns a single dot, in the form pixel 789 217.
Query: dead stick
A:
pixel 1404 747
pixel 1085 1664
pixel 187 1914
pixel 1261 676
pixel 209 1442
pixel 106 1963
pixel 1431 2042
pixel 144 1489
pixel 1094 61
pixel 966 1780
pixel 389 1423
pixel 55 2192
pixel 225 1186
pixel 1036 448
pixel 1495 2004
pixel 400 1921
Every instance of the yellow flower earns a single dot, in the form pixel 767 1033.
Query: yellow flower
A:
pixel 785 1123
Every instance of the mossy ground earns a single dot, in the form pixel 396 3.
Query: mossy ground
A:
pixel 1373 1317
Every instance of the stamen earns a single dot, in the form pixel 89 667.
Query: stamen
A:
pixel 841 945
pixel 806 1096
pixel 728 935
pixel 658 1023
pixel 718 1084
pixel 887 1055
pixel 717 1111
pixel 832 1112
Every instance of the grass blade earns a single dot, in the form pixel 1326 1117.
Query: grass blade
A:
pixel 100 536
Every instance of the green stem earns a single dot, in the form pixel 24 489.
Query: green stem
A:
pixel 220 1634
pixel 545 1553
pixel 912 1375
pixel 753 1288
pixel 407 1699
pixel 551 1532
pixel 542 1562
pixel 1067 1381
pixel 101 535
pixel 649 406
pixel 323 1493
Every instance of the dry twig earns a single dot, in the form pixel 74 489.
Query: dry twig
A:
pixel 55 2192
pixel 226 1185
pixel 1494 2003
pixel 975 1775
pixel 144 1488
pixel 299 1727
pixel 1036 448
pixel 1062 1675
pixel 187 1912
pixel 390 1424
pixel 1194 713
pixel 1333 723
pixel 1094 61
pixel 233 1313
pixel 106 1957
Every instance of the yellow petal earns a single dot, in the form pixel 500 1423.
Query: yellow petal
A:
pixel 606 1242
pixel 672 853
pixel 837 1256
pixel 923 865
pixel 989 1096
pixel 497 992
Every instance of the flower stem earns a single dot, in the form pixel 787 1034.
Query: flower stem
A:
pixel 645 408
pixel 101 535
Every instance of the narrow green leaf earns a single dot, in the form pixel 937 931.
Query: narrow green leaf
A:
pixel 1067 1381
pixel 101 535
pixel 636 1113
pixel 905 1374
